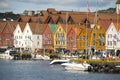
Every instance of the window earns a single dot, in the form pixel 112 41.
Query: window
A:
pixel 60 29
pixel 37 37
pixel 94 35
pixel 38 43
pixel 27 31
pixel 49 35
pixel 114 43
pixel 19 37
pixel 56 35
pixel 110 43
pixel 19 42
pixel 110 35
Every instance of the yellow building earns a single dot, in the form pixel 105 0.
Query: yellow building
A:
pixel 95 38
pixel 60 37
pixel 83 42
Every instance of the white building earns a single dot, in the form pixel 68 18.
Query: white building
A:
pixel 18 35
pixel 32 38
pixel 27 36
pixel 111 38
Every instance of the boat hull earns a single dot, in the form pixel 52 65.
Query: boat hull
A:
pixel 75 66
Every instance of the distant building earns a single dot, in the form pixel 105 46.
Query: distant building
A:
pixel 118 7
pixel 29 13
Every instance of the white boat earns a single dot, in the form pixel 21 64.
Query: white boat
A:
pixel 40 57
pixel 45 57
pixel 6 55
pixel 76 66
pixel 59 61
pixel 118 66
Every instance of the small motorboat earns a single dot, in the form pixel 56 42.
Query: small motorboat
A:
pixel 45 57
pixel 59 61
pixel 7 55
pixel 76 66
pixel 40 57
pixel 37 57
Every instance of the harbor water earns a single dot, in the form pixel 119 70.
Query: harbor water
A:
pixel 42 70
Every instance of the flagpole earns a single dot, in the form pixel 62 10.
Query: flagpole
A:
pixel 86 27
pixel 66 27
pixel 95 22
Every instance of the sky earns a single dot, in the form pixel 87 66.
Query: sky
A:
pixel 19 6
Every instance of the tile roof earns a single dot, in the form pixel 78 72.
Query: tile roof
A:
pixel 37 28
pixel 2 25
pixel 22 25
pixel 77 17
pixel 105 24
pixel 117 25
pixel 24 19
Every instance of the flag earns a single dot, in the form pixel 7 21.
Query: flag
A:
pixel 101 38
pixel 116 37
pixel 88 7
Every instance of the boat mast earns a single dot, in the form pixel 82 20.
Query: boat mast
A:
pixel 66 27
pixel 86 22
pixel 95 22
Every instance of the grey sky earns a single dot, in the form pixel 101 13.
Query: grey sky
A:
pixel 18 6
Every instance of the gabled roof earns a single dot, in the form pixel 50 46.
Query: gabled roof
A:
pixel 2 25
pixel 43 18
pixel 117 26
pixel 24 19
pixel 34 19
pixel 55 18
pixel 37 28
pixel 63 17
pixel 64 26
pixel 11 25
pixel 69 27
pixel 22 25
pixel 79 18
pixel 40 28
pixel 53 27
pixel 32 27
pixel 105 24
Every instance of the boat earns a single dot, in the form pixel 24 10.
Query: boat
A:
pixel 40 57
pixel 76 66
pixel 8 55
pixel 45 57
pixel 59 61
pixel 118 66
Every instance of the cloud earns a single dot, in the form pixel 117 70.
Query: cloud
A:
pixel 58 4
pixel 74 3
pixel 3 5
